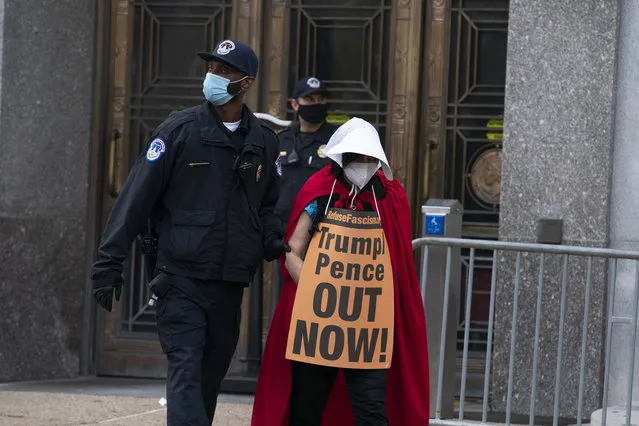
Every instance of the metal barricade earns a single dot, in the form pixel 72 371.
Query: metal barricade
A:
pixel 605 262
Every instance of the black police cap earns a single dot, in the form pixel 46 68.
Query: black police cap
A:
pixel 308 86
pixel 235 53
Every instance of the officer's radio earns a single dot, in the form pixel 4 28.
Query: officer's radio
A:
pixel 292 158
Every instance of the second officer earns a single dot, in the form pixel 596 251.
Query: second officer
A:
pixel 302 144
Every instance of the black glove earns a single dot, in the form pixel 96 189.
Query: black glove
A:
pixel 103 293
pixel 274 249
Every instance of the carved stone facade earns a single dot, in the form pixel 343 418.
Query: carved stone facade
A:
pixel 402 147
pixel 433 131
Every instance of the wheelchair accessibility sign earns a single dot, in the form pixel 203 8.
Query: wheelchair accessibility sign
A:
pixel 434 225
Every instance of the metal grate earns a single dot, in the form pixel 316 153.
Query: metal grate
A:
pixel 474 123
pixel 476 84
pixel 479 314
pixel 346 44
pixel 165 75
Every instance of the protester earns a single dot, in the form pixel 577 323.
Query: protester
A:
pixel 311 392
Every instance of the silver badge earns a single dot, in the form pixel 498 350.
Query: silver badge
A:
pixel 225 47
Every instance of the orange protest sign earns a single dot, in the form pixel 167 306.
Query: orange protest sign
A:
pixel 343 314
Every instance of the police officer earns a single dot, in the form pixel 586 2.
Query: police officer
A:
pixel 302 144
pixel 208 180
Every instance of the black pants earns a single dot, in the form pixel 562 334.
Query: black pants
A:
pixel 312 385
pixel 198 326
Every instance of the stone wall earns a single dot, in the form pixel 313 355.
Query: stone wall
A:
pixel 45 117
pixel 558 140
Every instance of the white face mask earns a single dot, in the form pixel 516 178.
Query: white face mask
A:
pixel 360 173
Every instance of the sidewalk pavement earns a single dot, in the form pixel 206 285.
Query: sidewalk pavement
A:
pixel 92 401
pixel 115 401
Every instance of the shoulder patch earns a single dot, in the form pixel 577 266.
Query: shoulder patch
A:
pixel 157 147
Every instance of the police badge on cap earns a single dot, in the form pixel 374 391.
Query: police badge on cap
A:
pixel 313 83
pixel 225 47
pixel 309 85
pixel 235 53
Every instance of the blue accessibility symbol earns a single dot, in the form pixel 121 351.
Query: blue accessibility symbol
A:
pixel 434 225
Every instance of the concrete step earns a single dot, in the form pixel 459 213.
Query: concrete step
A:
pixel 616 416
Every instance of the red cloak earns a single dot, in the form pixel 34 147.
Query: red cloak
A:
pixel 407 395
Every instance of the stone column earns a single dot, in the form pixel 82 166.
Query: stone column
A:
pixel 45 117
pixel 558 141
pixel 624 203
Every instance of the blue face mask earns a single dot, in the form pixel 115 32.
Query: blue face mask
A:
pixel 216 89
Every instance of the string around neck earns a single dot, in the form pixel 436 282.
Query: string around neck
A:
pixel 375 199
pixel 354 194
pixel 328 203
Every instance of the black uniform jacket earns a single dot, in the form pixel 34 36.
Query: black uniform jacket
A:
pixel 210 194
pixel 309 149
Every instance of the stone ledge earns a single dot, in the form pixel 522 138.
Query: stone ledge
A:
pixel 616 416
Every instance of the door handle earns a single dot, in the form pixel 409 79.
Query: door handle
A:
pixel 115 185
pixel 430 145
